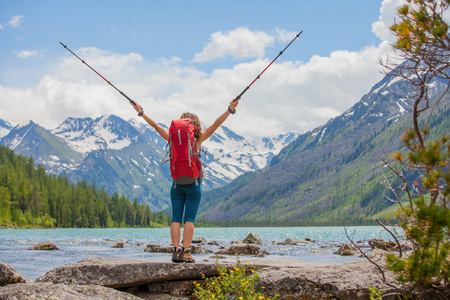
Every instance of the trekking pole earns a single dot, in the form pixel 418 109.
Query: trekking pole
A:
pixel 99 74
pixel 257 77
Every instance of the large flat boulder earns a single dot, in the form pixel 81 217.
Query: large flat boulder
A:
pixel 45 290
pixel 346 281
pixel 118 272
pixel 290 279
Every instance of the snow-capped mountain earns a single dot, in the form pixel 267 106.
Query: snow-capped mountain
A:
pixel 149 132
pixel 54 153
pixel 271 146
pixel 86 135
pixel 229 155
pixel 124 156
pixel 5 128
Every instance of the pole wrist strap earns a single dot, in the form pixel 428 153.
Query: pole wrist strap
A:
pixel 141 112
pixel 231 111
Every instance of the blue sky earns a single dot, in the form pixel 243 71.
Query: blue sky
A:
pixel 173 56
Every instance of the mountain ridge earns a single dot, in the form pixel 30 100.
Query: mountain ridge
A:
pixel 331 174
pixel 125 156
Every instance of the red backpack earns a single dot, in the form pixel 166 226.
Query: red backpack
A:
pixel 185 165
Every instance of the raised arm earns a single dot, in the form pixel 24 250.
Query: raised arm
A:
pixel 219 121
pixel 159 129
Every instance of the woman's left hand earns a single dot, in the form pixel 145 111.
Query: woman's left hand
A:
pixel 234 104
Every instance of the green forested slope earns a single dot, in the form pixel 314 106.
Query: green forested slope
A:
pixel 31 198
pixel 332 175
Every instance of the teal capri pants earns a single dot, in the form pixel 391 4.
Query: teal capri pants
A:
pixel 185 200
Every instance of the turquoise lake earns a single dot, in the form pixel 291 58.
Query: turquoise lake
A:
pixel 78 244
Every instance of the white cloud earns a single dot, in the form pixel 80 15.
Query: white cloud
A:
pixel 388 11
pixel 290 96
pixel 109 63
pixel 283 35
pixel 238 43
pixel 15 21
pixel 1 27
pixel 27 53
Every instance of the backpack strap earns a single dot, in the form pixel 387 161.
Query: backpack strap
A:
pixel 190 150
pixel 169 155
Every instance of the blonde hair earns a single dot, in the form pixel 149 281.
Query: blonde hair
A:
pixel 195 121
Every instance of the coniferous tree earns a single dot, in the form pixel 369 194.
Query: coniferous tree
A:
pixel 31 198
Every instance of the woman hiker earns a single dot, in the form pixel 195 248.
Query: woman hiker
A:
pixel 186 198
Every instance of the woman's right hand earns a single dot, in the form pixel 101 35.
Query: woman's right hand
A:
pixel 136 106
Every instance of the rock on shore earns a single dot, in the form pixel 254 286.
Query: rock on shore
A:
pixel 10 276
pixel 243 249
pixel 43 290
pixel 94 278
pixel 347 281
pixel 119 273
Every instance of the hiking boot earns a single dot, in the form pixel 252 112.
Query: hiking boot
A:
pixel 176 252
pixel 185 256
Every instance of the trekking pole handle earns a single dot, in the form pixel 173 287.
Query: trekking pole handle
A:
pixel 240 95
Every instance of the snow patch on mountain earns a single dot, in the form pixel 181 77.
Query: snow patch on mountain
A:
pixel 5 128
pixel 86 135
pixel 20 135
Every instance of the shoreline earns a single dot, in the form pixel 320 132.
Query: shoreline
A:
pixel 147 279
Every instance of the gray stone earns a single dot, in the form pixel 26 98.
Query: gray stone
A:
pixel 383 244
pixel 378 252
pixel 157 248
pixel 42 290
pixel 296 242
pixel 158 296
pixel 243 249
pixel 199 250
pixel 347 281
pixel 44 246
pixel 176 288
pixel 347 250
pixel 10 276
pixel 199 240
pixel 252 239
pixel 118 245
pixel 293 242
pixel 117 272
pixel 194 249
pixel 218 256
